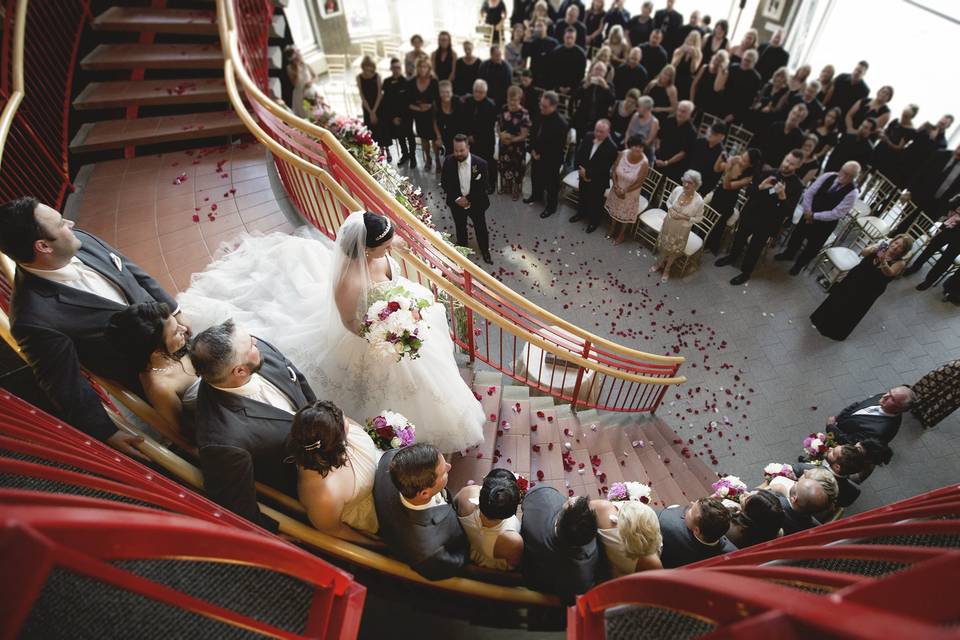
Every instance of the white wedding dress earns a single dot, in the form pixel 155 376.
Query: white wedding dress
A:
pixel 279 287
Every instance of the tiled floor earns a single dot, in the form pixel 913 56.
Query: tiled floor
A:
pixel 146 206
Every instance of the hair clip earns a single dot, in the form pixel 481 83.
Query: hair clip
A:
pixel 315 445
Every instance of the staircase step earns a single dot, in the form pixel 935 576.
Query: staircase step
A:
pixel 694 463
pixel 186 21
pixel 540 403
pixel 687 483
pixel 107 95
pixel 116 134
pixel 153 56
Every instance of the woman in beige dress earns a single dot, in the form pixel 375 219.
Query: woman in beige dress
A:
pixel 684 209
pixel 623 199
pixel 336 465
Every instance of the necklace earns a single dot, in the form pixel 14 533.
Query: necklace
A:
pixel 156 370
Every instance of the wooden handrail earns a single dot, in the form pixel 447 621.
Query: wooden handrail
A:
pixel 16 96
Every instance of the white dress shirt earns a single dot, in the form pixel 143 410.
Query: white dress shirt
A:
pixel 952 172
pixel 436 501
pixel 596 145
pixel 262 390
pixel 875 410
pixel 76 275
pixel 463 172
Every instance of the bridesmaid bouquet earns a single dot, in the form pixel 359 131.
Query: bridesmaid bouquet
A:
pixel 626 491
pixel 729 488
pixel 775 469
pixel 390 327
pixel 390 430
pixel 816 445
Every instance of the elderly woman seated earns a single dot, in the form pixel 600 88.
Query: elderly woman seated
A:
pixel 684 209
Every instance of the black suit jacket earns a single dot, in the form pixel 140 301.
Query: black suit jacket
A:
pixel 794 521
pixel 680 547
pixel 599 166
pixel 550 139
pixel 766 212
pixel 851 429
pixel 60 328
pixel 479 177
pixel 928 179
pixel 430 540
pixel 547 564
pixel 241 441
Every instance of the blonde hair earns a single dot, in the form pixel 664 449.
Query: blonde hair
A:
pixel 827 481
pixel 639 529
pixel 907 242
pixel 513 91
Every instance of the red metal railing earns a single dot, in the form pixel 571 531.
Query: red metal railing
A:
pixel 36 73
pixel 756 592
pixel 488 321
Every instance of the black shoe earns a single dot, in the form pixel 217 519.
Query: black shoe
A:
pixel 740 279
pixel 724 261
pixel 404 159
pixel 546 214
pixel 487 258
pixel 923 286
pixel 796 269
pixel 576 218
pixel 530 200
pixel 783 257
pixel 591 228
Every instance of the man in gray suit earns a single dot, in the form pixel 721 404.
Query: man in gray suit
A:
pixel 694 533
pixel 416 518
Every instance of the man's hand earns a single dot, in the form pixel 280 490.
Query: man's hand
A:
pixel 126 443
pixel 808 216
pixel 780 190
pixel 767 183
pixel 534 155
pixel 462 202
pixel 466 202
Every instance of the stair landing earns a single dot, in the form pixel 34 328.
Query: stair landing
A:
pixel 187 21
pixel 117 134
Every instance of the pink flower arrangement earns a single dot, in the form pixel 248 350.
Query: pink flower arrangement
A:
pixel 816 445
pixel 625 491
pixel 775 469
pixel 390 430
pixel 729 487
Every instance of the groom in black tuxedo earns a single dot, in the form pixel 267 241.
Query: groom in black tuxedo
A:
pixel 67 286
pixel 245 408
pixel 464 179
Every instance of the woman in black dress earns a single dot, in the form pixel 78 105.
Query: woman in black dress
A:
pixel 493 13
pixel 447 121
pixel 422 94
pixel 444 58
pixel 737 173
pixel 663 92
pixel 395 122
pixel 593 20
pixel 709 87
pixel 875 108
pixel 764 111
pixel 621 115
pixel 369 85
pixel 888 155
pixel 852 297
pixel 716 41
pixel 810 168
pixel 687 60
pixel 828 132
pixel 465 71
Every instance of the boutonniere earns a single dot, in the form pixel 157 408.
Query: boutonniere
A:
pixel 293 374
pixel 115 259
pixel 475 171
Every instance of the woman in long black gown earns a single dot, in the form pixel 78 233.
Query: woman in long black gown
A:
pixel 852 297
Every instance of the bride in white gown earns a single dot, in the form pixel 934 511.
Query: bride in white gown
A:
pixel 307 295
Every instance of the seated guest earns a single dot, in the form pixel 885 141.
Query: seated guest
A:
pixel 571 20
pixel 675 142
pixel 946 242
pixel 814 493
pixel 695 532
pixel 758 518
pixel 653 55
pixel 630 74
pixel 488 515
pixel 497 74
pixel 245 407
pixel 705 154
pixel 876 417
pixel 780 137
pixel 684 209
pixel 594 99
pixel 630 534
pixel 560 554
pixel 336 464
pixel 67 286
pixel 538 49
pixel 416 520
pixel 152 337
pixel 851 464
pixel 854 147
pixel 824 203
pixel 594 161
pixel 567 63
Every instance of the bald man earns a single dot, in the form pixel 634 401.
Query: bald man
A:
pixel 815 492
pixel 825 202
pixel 876 417
pixel 595 157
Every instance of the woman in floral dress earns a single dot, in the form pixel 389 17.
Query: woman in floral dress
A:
pixel 684 209
pixel 514 127
pixel 623 199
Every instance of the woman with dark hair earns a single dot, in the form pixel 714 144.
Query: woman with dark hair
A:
pixel 336 464
pixel 716 41
pixel 156 344
pixel 623 200
pixel 488 515
pixel 737 173
pixel 828 131
pixel 423 91
pixel 444 58
pixel 759 518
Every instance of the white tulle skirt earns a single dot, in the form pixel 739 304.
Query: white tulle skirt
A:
pixel 277 287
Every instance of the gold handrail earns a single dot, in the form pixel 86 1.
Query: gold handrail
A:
pixel 16 96
pixel 229 43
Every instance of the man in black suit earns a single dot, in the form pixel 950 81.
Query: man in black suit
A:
pixel 595 157
pixel 780 137
pixel 876 417
pixel 772 197
pixel 743 83
pixel 560 553
pixel 813 493
pixel 630 75
pixel 464 181
pixel 571 20
pixel 772 56
pixel 479 118
pixel 933 186
pixel 567 64
pixel 694 533
pixel 416 518
pixel 856 147
pixel 538 50
pixel 245 405
pixel 67 287
pixel 546 149
pixel 669 21
pixel 654 57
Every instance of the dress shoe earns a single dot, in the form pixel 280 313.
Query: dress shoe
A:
pixel 923 286
pixel 487 258
pixel 783 256
pixel 530 200
pixel 724 261
pixel 740 279
pixel 591 228
pixel 546 214
pixel 576 218
pixel 404 159
pixel 796 269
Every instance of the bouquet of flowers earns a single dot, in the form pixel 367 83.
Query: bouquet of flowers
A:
pixel 775 469
pixel 624 491
pixel 523 485
pixel 390 326
pixel 816 445
pixel 729 487
pixel 390 430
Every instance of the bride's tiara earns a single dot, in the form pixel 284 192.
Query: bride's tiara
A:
pixel 315 445
pixel 385 231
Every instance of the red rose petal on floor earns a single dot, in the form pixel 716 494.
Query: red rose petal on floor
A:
pixel 196 218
